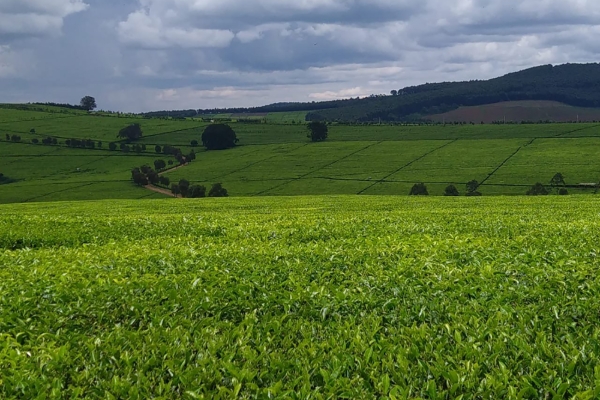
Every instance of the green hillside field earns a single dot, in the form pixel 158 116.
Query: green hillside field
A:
pixel 278 159
pixel 301 297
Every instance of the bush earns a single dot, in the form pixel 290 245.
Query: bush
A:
pixel 563 192
pixel 219 137
pixel 35 141
pixel 157 149
pixel 537 190
pixel 194 143
pixel 419 189
pixel 451 190
pixel 217 190
pixel 112 146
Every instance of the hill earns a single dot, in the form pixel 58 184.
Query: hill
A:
pixel 577 85
pixel 305 297
pixel 518 111
pixel 572 84
pixel 278 159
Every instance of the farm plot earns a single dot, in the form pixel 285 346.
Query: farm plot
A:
pixel 305 297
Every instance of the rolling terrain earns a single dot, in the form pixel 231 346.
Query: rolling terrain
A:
pixel 278 159
pixel 517 111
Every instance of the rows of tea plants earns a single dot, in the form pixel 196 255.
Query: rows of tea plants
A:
pixel 302 298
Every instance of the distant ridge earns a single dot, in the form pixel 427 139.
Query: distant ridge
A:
pixel 575 85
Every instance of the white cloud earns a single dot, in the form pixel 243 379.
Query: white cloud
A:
pixel 36 17
pixel 147 31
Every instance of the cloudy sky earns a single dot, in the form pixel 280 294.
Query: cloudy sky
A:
pixel 141 55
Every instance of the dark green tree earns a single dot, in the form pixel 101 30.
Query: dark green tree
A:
pixel 112 146
pixel 88 103
pixel 419 189
pixel 197 191
pixel 219 137
pixel 157 149
pixel 159 164
pixel 317 131
pixel 165 181
pixel 194 143
pixel 451 190
pixel 184 187
pixel 537 190
pixel 472 187
pixel 217 190
pixel 131 132
pixel 557 180
pixel 175 189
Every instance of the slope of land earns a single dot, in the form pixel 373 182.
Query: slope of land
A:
pixel 518 111
pixel 306 297
pixel 278 159
pixel 572 84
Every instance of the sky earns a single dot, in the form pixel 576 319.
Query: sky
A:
pixel 143 55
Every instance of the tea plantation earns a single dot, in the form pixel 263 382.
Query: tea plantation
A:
pixel 302 298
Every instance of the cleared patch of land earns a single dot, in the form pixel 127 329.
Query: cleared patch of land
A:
pixel 517 111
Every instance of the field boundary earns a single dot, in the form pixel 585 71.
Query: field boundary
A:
pixel 560 135
pixel 324 166
pixel 505 161
pixel 407 165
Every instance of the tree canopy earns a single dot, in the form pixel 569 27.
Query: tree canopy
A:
pixel 219 137
pixel 131 132
pixel 88 103
pixel 317 131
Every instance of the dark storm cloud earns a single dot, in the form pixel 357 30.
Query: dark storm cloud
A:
pixel 154 54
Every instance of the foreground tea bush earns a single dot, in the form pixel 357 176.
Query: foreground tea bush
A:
pixel 334 297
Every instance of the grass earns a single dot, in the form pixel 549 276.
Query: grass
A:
pixel 303 297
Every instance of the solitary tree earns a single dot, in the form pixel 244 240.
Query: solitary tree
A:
pixel 419 189
pixel 317 131
pixel 159 164
pixel 451 190
pixel 394 93
pixel 472 187
pixel 88 103
pixel 537 190
pixel 557 180
pixel 219 137
pixel 131 132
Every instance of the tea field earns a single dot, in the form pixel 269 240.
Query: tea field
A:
pixel 301 297
pixel 277 159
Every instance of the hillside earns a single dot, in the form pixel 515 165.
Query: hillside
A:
pixel 518 111
pixel 572 84
pixel 274 159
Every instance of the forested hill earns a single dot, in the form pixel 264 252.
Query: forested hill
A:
pixel 572 84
